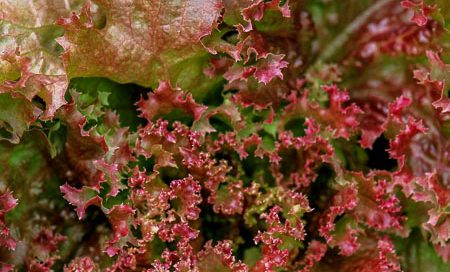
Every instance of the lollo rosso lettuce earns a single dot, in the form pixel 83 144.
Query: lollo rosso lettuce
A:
pixel 224 135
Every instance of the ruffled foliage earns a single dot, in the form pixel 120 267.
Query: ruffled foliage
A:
pixel 224 135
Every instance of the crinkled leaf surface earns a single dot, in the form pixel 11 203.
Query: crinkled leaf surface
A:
pixel 141 41
pixel 15 117
pixel 244 150
pixel 29 58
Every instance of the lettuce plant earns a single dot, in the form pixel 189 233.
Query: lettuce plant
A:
pixel 224 135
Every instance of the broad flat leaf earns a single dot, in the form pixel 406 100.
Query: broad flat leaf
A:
pixel 15 117
pixel 36 13
pixel 29 56
pixel 141 41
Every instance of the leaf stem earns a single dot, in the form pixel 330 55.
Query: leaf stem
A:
pixel 354 26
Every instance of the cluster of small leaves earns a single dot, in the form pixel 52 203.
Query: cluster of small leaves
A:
pixel 224 135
